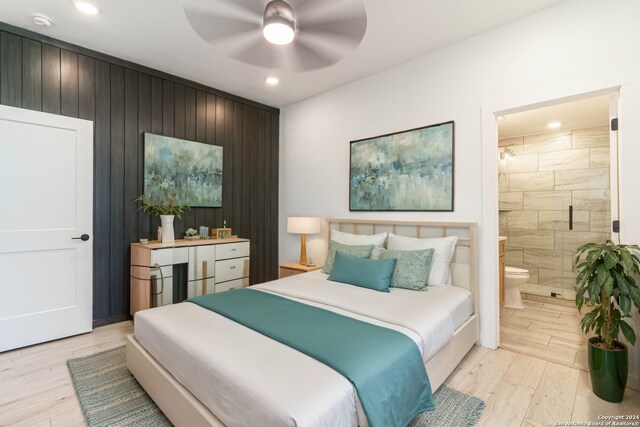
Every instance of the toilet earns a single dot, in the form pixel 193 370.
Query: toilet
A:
pixel 513 278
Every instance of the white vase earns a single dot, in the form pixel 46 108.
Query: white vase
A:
pixel 168 235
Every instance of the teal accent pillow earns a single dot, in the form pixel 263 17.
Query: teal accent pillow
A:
pixel 412 269
pixel 356 251
pixel 366 273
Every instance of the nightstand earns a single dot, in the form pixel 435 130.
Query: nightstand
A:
pixel 294 268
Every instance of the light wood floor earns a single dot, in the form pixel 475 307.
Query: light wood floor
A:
pixel 36 390
pixel 35 386
pixel 546 331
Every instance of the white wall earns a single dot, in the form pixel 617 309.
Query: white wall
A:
pixel 629 155
pixel 579 45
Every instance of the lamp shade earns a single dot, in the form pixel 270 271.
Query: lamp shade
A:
pixel 303 225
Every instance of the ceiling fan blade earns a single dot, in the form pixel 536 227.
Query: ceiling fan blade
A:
pixel 229 8
pixel 349 31
pixel 251 6
pixel 310 54
pixel 298 56
pixel 310 8
pixel 215 29
pixel 259 52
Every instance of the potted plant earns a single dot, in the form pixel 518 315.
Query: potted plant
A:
pixel 607 282
pixel 166 211
pixel 191 234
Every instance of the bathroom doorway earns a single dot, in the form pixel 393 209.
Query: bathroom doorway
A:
pixel 557 175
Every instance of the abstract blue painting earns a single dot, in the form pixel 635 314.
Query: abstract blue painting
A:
pixel 188 172
pixel 406 171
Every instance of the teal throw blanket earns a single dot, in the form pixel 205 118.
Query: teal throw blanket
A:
pixel 384 365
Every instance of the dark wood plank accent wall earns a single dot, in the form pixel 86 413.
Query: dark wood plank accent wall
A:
pixel 124 100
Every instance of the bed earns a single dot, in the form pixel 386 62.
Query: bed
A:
pixel 203 369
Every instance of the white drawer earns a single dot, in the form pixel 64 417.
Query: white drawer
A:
pixel 232 269
pixel 194 288
pixel 170 256
pixel 202 262
pixel 232 250
pixel 162 256
pixel 232 284
pixel 180 255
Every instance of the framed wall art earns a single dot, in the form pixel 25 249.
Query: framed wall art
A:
pixel 184 172
pixel 410 170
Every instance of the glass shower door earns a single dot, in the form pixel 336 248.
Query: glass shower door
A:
pixel 586 185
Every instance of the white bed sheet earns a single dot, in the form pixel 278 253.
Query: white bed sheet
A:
pixel 428 317
pixel 458 301
pixel 247 379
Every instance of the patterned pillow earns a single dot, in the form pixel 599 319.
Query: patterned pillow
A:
pixel 412 267
pixel 356 251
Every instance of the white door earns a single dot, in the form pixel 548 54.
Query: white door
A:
pixel 46 197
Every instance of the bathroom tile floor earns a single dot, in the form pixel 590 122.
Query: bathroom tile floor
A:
pixel 546 331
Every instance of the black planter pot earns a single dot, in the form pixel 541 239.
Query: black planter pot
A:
pixel 608 370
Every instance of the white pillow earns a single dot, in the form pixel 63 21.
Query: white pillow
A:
pixel 439 274
pixel 358 239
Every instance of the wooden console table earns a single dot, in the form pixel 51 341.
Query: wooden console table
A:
pixel 212 265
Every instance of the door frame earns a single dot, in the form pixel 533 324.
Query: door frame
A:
pixel 488 265
pixel 614 166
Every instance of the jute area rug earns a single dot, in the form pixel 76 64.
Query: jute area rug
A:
pixel 110 396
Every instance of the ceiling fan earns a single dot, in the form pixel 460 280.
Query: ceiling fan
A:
pixel 297 35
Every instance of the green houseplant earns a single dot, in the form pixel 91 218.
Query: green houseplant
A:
pixel 169 207
pixel 607 282
pixel 166 210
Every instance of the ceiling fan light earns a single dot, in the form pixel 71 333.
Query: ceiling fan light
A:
pixel 279 23
pixel 278 33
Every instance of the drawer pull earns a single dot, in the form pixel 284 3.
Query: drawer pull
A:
pixel 234 249
pixel 233 267
pixel 156 266
pixel 204 277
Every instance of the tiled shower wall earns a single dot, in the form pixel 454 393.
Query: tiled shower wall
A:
pixel 548 173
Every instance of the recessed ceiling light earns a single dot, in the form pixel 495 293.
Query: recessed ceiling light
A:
pixel 272 80
pixel 554 125
pixel 43 21
pixel 87 8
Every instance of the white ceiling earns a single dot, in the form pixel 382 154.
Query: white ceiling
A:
pixel 583 113
pixel 156 33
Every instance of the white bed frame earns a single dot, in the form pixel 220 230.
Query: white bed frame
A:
pixel 184 409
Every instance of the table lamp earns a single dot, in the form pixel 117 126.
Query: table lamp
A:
pixel 303 225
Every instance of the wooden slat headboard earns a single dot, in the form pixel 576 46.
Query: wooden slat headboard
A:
pixel 464 263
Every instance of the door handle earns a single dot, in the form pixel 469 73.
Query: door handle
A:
pixel 84 238
pixel 570 217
